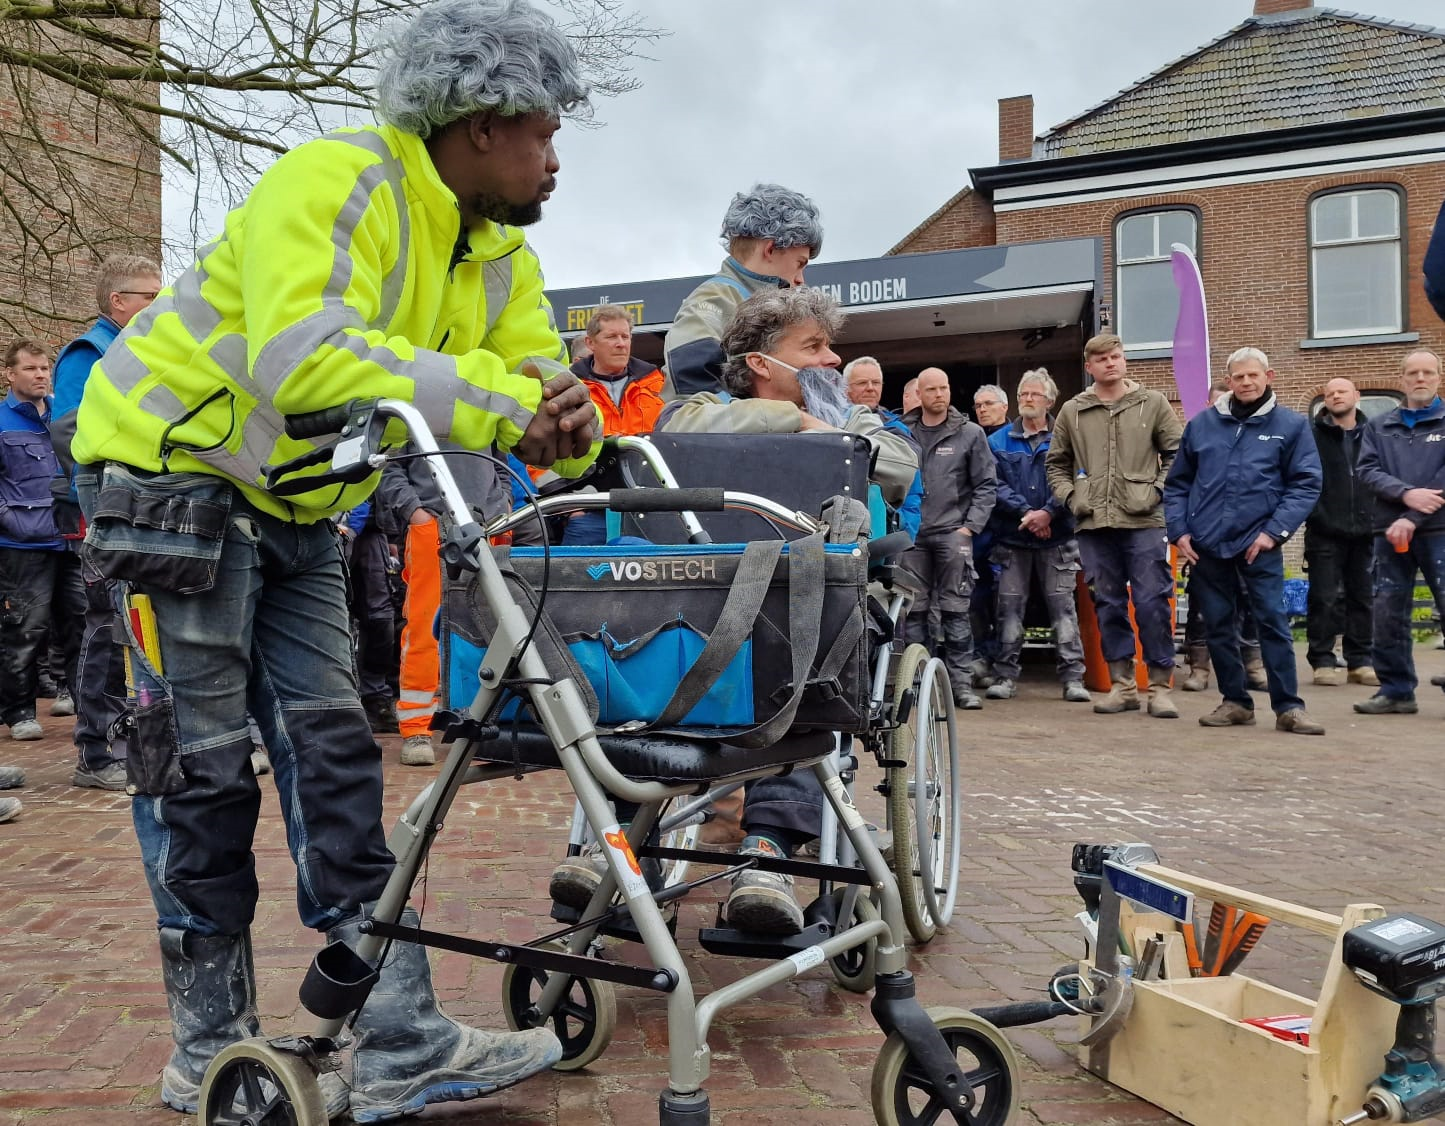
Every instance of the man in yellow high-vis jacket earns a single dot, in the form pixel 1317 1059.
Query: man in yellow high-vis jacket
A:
pixel 380 262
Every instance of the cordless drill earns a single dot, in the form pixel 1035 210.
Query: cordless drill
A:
pixel 1402 958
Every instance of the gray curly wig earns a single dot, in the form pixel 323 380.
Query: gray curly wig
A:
pixel 760 322
pixel 771 211
pixel 457 57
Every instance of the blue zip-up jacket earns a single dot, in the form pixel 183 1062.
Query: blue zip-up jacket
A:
pixel 72 369
pixel 1395 458
pixel 1434 265
pixel 910 512
pixel 27 468
pixel 1023 485
pixel 1232 480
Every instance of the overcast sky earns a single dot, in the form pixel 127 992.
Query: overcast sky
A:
pixel 875 109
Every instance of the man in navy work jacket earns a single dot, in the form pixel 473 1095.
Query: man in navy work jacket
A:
pixel 1246 476
pixel 1033 535
pixel 1402 461
pixel 39 575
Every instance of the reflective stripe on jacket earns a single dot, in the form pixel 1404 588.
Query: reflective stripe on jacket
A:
pixel 336 279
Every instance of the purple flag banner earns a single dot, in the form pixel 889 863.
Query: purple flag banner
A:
pixel 1191 333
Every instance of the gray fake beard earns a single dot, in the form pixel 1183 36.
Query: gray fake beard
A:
pixel 824 396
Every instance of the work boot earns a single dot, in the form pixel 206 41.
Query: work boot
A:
pixel 417 750
pixel 1328 676
pixel 1380 704
pixel 763 901
pixel 11 776
pixel 1298 721
pixel 9 809
pixel 63 705
pixel 1004 689
pixel 1123 694
pixel 260 760
pixel 1254 668
pixel 1364 675
pixel 408 1053
pixel 1228 714
pixel 724 828
pixel 1161 706
pixel 1075 692
pixel 576 879
pixel 211 990
pixel 1198 678
pixel 982 674
pixel 381 715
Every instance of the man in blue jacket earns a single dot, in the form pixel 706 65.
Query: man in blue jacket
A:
pixel 127 284
pixel 864 379
pixel 1402 461
pixel 39 575
pixel 1246 476
pixel 1033 534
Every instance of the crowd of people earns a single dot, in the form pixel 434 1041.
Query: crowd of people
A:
pixel 208 627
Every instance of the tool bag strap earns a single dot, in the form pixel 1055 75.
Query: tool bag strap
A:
pixel 735 625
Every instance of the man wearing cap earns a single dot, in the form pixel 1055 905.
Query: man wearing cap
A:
pixel 771 234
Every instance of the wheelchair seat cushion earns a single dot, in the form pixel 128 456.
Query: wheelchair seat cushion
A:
pixel 663 758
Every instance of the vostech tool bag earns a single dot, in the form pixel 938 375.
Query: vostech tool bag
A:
pixel 733 641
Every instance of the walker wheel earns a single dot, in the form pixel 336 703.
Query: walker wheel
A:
pixel 584 1020
pixel 252 1083
pixel 903 1096
pixel 856 967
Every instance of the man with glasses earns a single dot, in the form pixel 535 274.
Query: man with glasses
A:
pixel 127 284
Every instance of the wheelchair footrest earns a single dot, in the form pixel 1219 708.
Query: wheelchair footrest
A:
pixel 759 944
pixel 620 926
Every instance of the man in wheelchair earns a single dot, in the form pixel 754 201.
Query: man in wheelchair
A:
pixel 780 377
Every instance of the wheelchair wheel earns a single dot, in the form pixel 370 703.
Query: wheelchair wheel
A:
pixel 683 837
pixel 936 798
pixel 584 1020
pixel 924 816
pixel 855 968
pixel 252 1083
pixel 903 1096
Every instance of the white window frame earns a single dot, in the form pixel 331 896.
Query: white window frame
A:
pixel 1161 254
pixel 1354 239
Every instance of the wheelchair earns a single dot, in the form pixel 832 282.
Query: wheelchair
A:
pixel 934 1065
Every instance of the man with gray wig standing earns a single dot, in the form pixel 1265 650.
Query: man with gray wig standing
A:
pixel 771 234
pixel 377 262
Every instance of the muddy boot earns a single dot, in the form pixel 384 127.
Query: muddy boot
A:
pixel 1198 678
pixel 1254 668
pixel 408 1053
pixel 1160 705
pixel 211 990
pixel 1123 695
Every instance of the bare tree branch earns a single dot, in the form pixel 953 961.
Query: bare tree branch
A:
pixel 100 99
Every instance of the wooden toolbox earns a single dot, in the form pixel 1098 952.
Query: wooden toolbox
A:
pixel 1184 1048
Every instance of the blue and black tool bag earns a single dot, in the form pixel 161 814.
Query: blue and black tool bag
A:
pixel 734 641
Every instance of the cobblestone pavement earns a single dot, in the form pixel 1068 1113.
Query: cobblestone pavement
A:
pixel 1352 817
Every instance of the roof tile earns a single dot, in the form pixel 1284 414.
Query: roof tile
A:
pixel 1306 67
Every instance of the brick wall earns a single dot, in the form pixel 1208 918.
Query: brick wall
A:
pixel 82 185
pixel 966 220
pixel 1254 257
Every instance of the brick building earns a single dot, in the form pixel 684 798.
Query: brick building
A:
pixel 1301 155
pixel 77 183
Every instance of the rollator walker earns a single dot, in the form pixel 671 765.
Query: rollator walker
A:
pixel 935 1065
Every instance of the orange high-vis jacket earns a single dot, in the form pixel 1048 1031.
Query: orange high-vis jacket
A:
pixel 640 406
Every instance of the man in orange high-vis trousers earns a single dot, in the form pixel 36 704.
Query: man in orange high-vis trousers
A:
pixel 411 501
